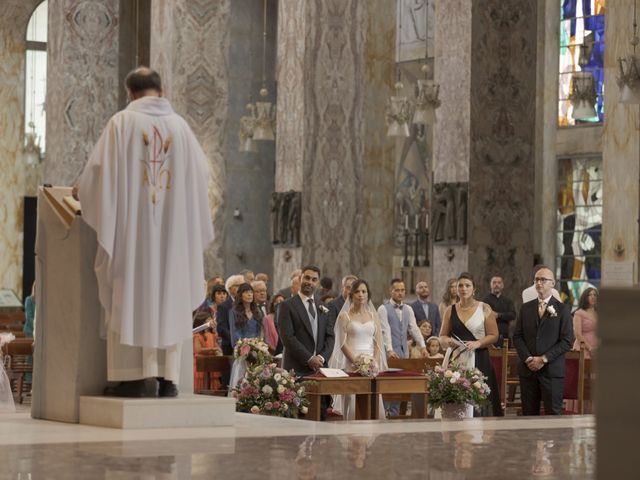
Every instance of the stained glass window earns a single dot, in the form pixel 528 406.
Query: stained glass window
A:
pixel 581 24
pixel 579 226
pixel 36 74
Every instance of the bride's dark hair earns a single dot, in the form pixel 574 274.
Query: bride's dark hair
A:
pixel 357 284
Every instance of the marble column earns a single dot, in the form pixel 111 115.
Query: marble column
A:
pixel 485 135
pixel 332 87
pixel 620 158
pixel 189 48
pixel 13 25
pixel 82 82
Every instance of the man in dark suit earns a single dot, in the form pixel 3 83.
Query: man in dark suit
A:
pixel 307 340
pixel 337 303
pixel 502 306
pixel 222 317
pixel 424 310
pixel 544 332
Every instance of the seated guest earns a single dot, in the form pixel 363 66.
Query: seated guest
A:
pixel 424 310
pixel 415 351
pixel 269 325
pixel 449 297
pixel 216 298
pixel 245 321
pixel 433 348
pixel 222 318
pixel 205 342
pixel 585 320
pixel 327 299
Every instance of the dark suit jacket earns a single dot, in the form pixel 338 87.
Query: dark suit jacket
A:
pixel 335 306
pixel 224 330
pixel 297 336
pixel 552 337
pixel 434 315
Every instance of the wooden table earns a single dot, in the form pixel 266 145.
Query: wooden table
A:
pixel 361 387
pixel 397 385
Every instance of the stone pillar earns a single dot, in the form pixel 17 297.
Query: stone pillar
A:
pixel 13 25
pixel 189 48
pixel 328 78
pixel 485 135
pixel 82 82
pixel 620 158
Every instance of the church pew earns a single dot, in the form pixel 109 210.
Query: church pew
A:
pixel 18 363
pixel 209 364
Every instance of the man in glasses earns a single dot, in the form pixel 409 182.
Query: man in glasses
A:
pixel 530 293
pixel 543 334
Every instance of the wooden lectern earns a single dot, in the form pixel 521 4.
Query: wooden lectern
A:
pixel 70 357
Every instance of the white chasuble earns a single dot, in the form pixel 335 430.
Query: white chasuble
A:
pixel 144 192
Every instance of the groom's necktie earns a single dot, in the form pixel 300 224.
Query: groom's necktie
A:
pixel 314 321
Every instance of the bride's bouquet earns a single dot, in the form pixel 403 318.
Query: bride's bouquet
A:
pixel 366 366
pixel 252 350
pixel 267 389
pixel 457 385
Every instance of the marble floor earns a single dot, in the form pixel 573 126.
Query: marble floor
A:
pixel 269 448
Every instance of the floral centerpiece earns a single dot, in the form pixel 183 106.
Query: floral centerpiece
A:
pixel 269 390
pixel 253 351
pixel 366 366
pixel 457 385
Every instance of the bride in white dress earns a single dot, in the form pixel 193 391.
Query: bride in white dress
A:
pixel 357 332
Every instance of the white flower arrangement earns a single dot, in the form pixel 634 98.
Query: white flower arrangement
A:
pixel 552 311
pixel 323 309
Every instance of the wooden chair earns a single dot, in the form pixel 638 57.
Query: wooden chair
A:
pixel 512 382
pixel 209 364
pixel 18 354
pixel 578 377
pixel 410 365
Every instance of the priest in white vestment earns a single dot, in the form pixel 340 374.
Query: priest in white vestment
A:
pixel 144 192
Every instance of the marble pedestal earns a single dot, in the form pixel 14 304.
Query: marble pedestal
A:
pixel 69 356
pixel 186 410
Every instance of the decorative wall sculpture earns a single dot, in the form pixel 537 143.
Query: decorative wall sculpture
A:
pixel 449 213
pixel 286 211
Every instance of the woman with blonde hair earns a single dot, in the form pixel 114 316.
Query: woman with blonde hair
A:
pixel 449 297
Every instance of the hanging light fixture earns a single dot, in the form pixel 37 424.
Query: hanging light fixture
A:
pixel 246 132
pixel 629 74
pixel 264 112
pixel 583 92
pixel 426 102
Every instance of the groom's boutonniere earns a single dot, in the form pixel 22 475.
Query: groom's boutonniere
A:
pixel 552 311
pixel 323 309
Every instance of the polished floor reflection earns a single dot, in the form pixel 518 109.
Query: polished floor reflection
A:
pixel 263 448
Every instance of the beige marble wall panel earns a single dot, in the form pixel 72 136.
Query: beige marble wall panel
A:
pixel 452 70
pixel 451 137
pixel 332 218
pixel 621 149
pixel 190 48
pixel 502 167
pixel 378 174
pixel 82 82
pixel 13 25
pixel 290 141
